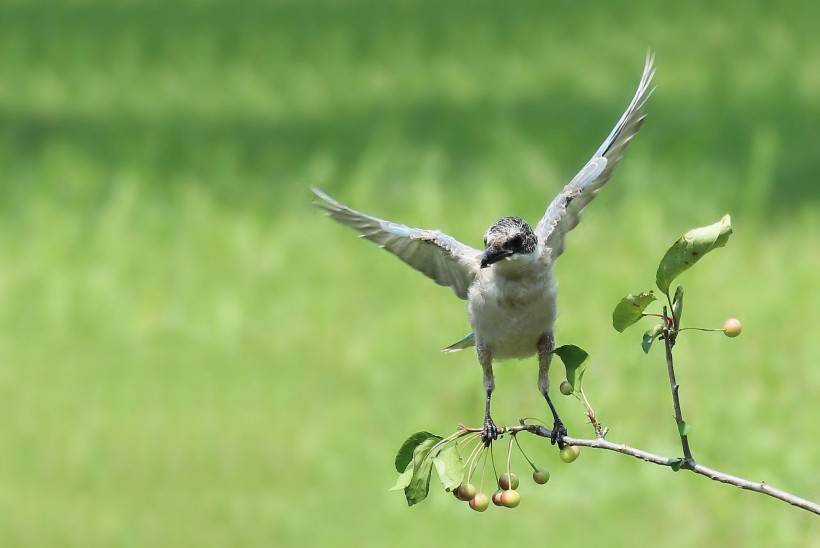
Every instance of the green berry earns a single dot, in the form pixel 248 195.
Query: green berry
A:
pixel 466 491
pixel 565 388
pixel 480 502
pixel 540 476
pixel 510 498
pixel 732 327
pixel 497 498
pixel 507 481
pixel 569 453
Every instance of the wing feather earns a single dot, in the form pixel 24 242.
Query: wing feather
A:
pixel 563 213
pixel 441 257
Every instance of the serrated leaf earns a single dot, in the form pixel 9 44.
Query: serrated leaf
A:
pixel 689 249
pixel 405 454
pixel 683 428
pixel 649 337
pixel 630 308
pixel 403 480
pixel 574 359
pixel 449 467
pixel 416 491
pixel 676 464
pixel 677 305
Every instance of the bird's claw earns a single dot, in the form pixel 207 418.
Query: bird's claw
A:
pixel 558 433
pixel 490 431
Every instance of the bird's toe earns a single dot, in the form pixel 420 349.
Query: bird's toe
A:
pixel 490 431
pixel 558 433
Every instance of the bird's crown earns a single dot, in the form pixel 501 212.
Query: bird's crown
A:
pixel 511 232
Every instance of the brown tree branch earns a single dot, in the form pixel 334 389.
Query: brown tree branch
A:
pixel 674 463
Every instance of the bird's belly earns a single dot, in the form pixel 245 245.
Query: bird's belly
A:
pixel 509 320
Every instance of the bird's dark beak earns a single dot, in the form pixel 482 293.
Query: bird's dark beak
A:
pixel 493 255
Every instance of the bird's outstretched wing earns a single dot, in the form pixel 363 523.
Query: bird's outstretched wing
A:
pixel 563 213
pixel 439 256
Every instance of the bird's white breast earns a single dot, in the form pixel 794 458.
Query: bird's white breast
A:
pixel 511 305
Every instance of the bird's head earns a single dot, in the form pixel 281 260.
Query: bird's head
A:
pixel 507 238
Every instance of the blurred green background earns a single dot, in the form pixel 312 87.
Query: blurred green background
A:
pixel 190 355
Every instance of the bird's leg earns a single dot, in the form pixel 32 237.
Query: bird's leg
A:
pixel 489 432
pixel 545 347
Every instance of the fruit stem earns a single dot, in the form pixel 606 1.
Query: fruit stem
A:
pixel 483 473
pixel 648 314
pixel 473 460
pixel 454 436
pixel 509 454
pixel 469 456
pixel 492 457
pixel 698 329
pixel 534 468
pixel 462 444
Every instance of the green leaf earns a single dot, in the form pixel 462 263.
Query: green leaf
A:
pixel 450 468
pixel 689 248
pixel 405 454
pixel 581 378
pixel 573 358
pixel 676 464
pixel 630 308
pixel 650 336
pixel 403 480
pixel 683 428
pixel 677 305
pixel 416 490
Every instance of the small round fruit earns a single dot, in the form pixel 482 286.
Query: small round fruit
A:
pixel 497 498
pixel 480 502
pixel 466 491
pixel 540 476
pixel 565 388
pixel 507 481
pixel 569 453
pixel 732 327
pixel 510 498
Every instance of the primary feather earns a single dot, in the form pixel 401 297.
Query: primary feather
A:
pixel 441 257
pixel 563 213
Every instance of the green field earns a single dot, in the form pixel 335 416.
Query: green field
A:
pixel 191 355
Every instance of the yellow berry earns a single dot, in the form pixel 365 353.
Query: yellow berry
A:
pixel 510 498
pixel 480 502
pixel 732 327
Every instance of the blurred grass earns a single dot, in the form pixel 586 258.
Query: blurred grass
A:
pixel 191 356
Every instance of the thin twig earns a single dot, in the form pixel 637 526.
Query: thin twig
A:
pixel 600 431
pixel 670 367
pixel 672 462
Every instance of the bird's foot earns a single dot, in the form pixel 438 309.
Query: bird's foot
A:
pixel 558 433
pixel 490 431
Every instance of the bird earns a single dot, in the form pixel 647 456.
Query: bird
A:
pixel 509 285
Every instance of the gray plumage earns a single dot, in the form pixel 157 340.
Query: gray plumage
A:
pixel 439 256
pixel 509 286
pixel 562 215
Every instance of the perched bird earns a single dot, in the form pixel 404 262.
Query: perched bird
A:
pixel 509 286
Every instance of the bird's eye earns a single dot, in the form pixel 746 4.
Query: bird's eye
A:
pixel 516 241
